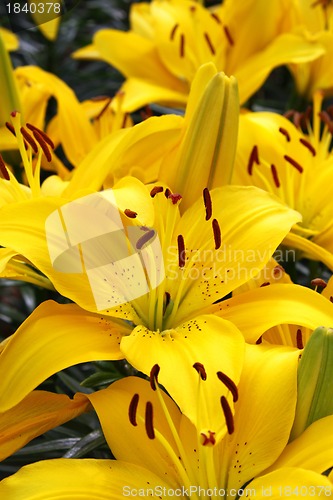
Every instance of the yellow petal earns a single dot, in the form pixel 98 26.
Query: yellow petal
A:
pixel 284 49
pixel 264 413
pixel 291 483
pixel 112 407
pixel 46 17
pixel 208 340
pixel 70 336
pixel 11 41
pixel 83 479
pixel 310 248
pixel 37 413
pixel 283 304
pixel 311 450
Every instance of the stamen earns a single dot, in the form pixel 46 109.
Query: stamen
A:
pixel 123 123
pixel 11 128
pixel 285 133
pixel 293 163
pixel 308 145
pixel 3 170
pixel 208 440
pixel 181 251
pixel 45 136
pixel 217 233
pixel 129 213
pixel 175 198
pixel 319 282
pixel 199 367
pixel 266 283
pixel 229 419
pixel 167 298
pixel 145 238
pixel 299 339
pixel 132 409
pixel 149 420
pixel 39 138
pixel 209 43
pixel 208 203
pixel 325 117
pixel 259 341
pixel 104 108
pixel 216 17
pixel 278 271
pixel 173 31
pixel 254 158
pixel 155 190
pixel 29 139
pixel 228 35
pixel 275 176
pixel 167 193
pixel 230 385
pixel 153 376
pixel 182 46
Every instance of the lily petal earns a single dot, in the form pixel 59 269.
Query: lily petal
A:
pixel 311 450
pixel 284 49
pixel 112 407
pixel 208 340
pixel 83 479
pixel 37 413
pixel 283 304
pixel 291 482
pixel 263 416
pixel 52 338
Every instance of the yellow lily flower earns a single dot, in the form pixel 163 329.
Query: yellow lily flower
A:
pixel 160 453
pixel 10 40
pixel 276 155
pixel 175 37
pixel 167 322
pixel 316 18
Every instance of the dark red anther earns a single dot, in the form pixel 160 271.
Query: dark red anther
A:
pixel 133 409
pixel 228 35
pixel 209 43
pixel 294 163
pixel 155 190
pixel 39 138
pixel 167 193
pixel 278 271
pixel 173 31
pixel 145 238
pixel 319 282
pixel 259 341
pixel 254 158
pixel 13 113
pixel 29 139
pixel 299 339
pixel 154 376
pixel 199 367
pixel 229 419
pixel 182 46
pixel 308 145
pixel 217 233
pixel 275 176
pixel 230 385
pixel 3 170
pixel 11 128
pixel 181 250
pixel 149 420
pixel 130 214
pixel 216 17
pixel 285 132
pixel 208 203
pixel 46 138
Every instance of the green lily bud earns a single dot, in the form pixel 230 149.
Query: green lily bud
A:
pixel 8 90
pixel 314 381
pixel 207 152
